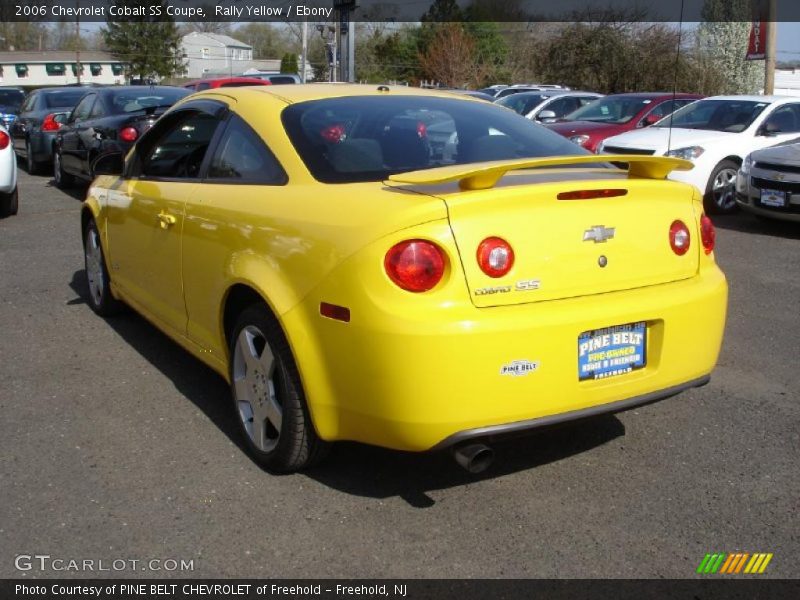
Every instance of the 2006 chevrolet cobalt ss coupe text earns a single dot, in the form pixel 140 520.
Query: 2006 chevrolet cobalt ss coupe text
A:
pixel 356 277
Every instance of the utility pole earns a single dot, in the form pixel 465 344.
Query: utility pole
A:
pixel 347 39
pixel 770 52
pixel 78 43
pixel 304 53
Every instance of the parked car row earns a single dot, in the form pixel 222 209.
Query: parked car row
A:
pixel 716 134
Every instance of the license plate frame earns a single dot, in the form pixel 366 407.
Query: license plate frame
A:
pixel 612 351
pixel 773 198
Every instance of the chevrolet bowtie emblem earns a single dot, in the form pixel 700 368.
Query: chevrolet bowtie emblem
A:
pixel 598 234
pixel 778 176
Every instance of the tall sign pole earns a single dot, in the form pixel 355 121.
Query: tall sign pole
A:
pixel 769 60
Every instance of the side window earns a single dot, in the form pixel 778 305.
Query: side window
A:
pixel 662 110
pixel 242 156
pixel 563 106
pixel 84 108
pixel 784 119
pixel 30 101
pixel 202 86
pixel 98 110
pixel 177 151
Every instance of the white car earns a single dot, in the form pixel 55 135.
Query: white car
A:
pixel 9 201
pixel 547 105
pixel 715 134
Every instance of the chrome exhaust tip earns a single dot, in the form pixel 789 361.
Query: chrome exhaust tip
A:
pixel 475 458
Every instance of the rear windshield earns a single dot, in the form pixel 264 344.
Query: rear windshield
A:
pixel 63 98
pixel 343 140
pixel 616 110
pixel 11 98
pixel 134 101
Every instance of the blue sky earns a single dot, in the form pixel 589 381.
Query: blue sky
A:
pixel 789 41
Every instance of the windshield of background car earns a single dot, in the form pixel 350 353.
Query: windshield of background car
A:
pixel 62 98
pixel 616 110
pixel 343 140
pixel 732 116
pixel 522 104
pixel 131 101
pixel 11 99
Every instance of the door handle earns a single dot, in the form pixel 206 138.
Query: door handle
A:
pixel 165 220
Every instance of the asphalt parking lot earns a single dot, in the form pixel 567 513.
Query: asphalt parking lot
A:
pixel 116 444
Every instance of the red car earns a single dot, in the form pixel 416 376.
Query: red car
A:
pixel 206 84
pixel 618 113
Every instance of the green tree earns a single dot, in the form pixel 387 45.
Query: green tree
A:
pixel 289 63
pixel 722 40
pixel 150 48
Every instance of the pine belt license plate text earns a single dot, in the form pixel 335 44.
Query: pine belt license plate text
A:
pixel 773 198
pixel 612 351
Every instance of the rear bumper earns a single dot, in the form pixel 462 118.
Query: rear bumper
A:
pixel 42 146
pixel 498 431
pixel 417 380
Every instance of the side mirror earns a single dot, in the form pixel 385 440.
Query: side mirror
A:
pixel 546 115
pixel 650 119
pixel 109 164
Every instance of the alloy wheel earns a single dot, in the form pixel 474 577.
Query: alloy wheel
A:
pixel 254 372
pixel 94 266
pixel 723 189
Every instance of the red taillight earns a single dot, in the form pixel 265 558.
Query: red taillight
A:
pixel 4 140
pixel 422 129
pixel 415 265
pixel 128 134
pixel 50 123
pixel 679 237
pixel 495 256
pixel 589 194
pixel 708 235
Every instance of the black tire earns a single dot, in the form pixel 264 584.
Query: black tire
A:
pixel 98 283
pixel 62 179
pixel 268 391
pixel 720 196
pixel 9 203
pixel 31 166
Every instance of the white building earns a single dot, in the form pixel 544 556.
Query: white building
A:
pixel 37 69
pixel 213 55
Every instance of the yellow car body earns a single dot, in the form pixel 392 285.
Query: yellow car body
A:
pixel 417 371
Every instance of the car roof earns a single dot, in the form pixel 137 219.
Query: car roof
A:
pixel 551 93
pixel 655 95
pixel 756 98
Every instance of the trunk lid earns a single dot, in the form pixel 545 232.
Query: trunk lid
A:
pixel 569 248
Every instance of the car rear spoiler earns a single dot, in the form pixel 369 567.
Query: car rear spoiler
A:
pixel 481 176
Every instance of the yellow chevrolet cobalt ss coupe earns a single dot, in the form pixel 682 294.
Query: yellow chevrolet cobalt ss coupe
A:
pixel 408 269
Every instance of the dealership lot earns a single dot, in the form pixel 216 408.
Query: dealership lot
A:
pixel 117 445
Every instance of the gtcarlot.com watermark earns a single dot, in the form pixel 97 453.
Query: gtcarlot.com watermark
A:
pixel 45 562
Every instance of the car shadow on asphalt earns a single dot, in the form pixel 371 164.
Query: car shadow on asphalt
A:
pixel 749 223
pixel 354 468
pixel 76 191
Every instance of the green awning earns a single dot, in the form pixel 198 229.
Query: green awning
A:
pixel 22 70
pixel 116 69
pixel 96 68
pixel 75 69
pixel 55 68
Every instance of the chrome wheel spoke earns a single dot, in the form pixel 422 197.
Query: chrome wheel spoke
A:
pixel 247 348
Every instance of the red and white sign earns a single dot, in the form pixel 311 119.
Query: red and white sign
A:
pixel 757 47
